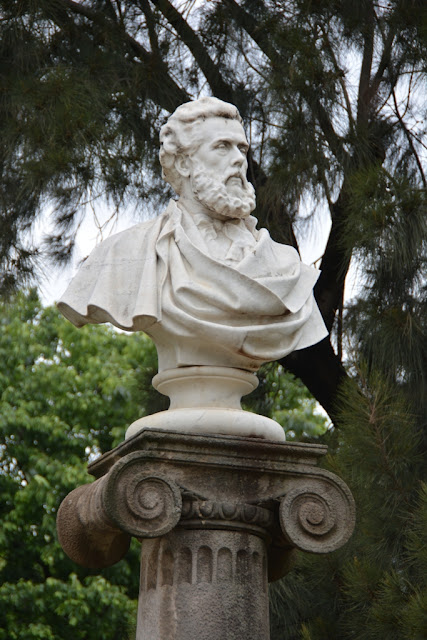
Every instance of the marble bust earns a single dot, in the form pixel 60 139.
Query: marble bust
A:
pixel 211 289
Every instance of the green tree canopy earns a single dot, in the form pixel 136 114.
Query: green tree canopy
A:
pixel 67 396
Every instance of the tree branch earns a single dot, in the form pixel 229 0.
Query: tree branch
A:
pixel 336 259
pixel 384 62
pixel 341 76
pixel 409 139
pixel 111 10
pixel 364 94
pixel 164 90
pixel 334 141
pixel 322 373
pixel 154 42
pixel 190 38
pixel 335 264
pixel 252 28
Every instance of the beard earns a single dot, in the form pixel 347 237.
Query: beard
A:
pixel 229 201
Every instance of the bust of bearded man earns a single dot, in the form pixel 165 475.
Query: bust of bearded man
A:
pixel 200 279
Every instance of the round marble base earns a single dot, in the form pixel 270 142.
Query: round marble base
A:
pixel 228 422
pixel 207 400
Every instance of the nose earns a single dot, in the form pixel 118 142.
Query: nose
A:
pixel 238 158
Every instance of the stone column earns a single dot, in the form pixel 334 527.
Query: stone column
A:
pixel 218 517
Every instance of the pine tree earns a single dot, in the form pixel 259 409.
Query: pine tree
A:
pixel 333 96
pixel 329 91
pixel 376 586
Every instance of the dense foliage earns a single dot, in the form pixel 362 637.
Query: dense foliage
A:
pixel 333 96
pixel 331 93
pixel 67 396
pixel 376 585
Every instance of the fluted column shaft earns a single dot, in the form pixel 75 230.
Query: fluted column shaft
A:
pixel 204 584
pixel 218 518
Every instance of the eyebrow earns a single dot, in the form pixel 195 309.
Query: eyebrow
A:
pixel 241 142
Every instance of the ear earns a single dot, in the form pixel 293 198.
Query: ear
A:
pixel 182 165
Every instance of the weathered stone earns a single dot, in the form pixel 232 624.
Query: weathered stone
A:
pixel 204 584
pixel 218 518
pixel 85 533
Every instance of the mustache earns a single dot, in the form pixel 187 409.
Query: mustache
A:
pixel 236 174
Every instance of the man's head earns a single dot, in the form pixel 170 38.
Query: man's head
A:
pixel 203 156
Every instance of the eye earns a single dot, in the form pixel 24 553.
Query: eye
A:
pixel 223 144
pixel 243 149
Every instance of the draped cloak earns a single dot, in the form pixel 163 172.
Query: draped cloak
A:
pixel 158 277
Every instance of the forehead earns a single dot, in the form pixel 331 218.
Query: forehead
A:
pixel 218 128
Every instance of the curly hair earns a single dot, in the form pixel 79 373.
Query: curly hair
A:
pixel 179 134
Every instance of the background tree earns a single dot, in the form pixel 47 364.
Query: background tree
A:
pixel 284 398
pixel 332 92
pixel 328 91
pixel 66 396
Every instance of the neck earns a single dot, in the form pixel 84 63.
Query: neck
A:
pixel 193 206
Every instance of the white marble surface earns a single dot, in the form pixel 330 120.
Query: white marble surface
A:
pixel 157 277
pixel 201 280
pixel 207 400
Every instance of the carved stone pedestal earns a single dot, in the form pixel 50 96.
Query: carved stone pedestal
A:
pixel 218 517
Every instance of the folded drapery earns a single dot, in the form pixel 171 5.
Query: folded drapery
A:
pixel 160 277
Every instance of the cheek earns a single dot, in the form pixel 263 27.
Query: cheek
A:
pixel 220 164
pixel 214 162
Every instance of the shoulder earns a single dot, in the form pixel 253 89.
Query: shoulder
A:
pixel 136 230
pixel 132 237
pixel 277 247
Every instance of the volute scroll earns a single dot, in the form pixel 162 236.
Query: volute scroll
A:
pixel 318 515
pixel 142 503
